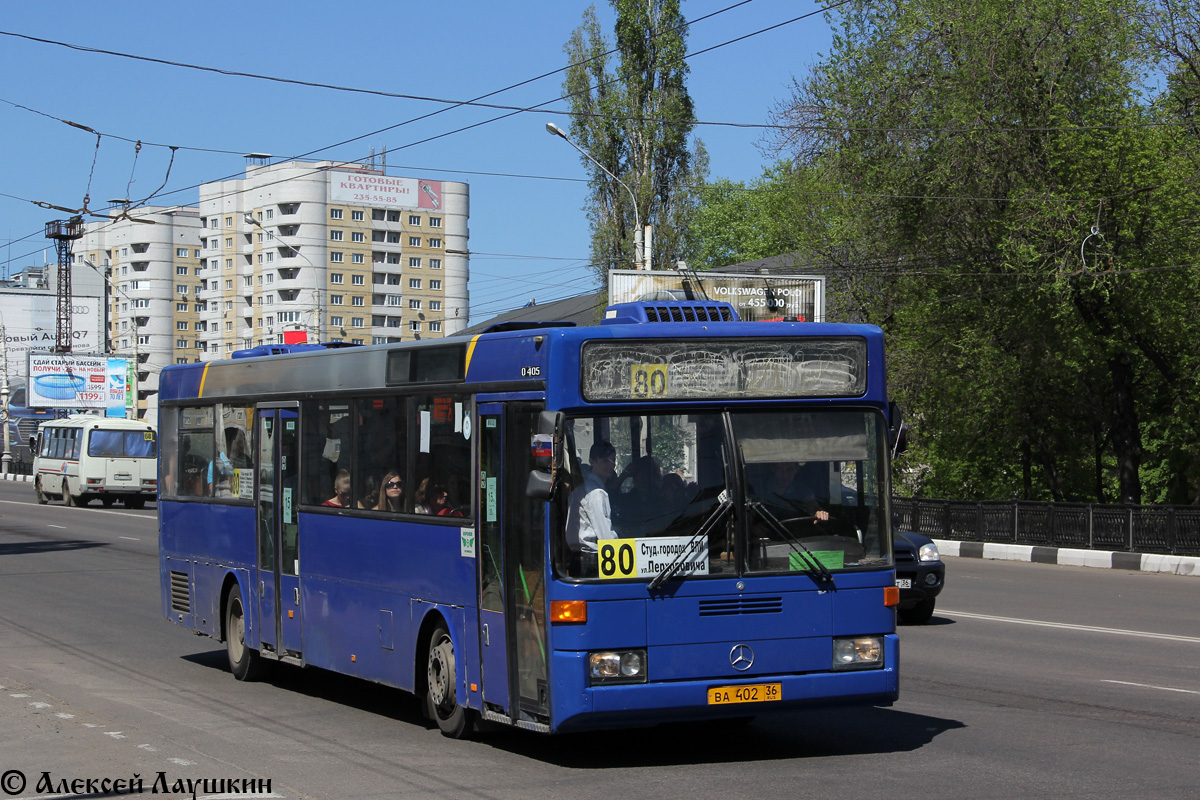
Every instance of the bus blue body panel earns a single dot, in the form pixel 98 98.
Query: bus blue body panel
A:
pixel 413 570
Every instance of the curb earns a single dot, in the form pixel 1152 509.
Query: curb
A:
pixel 23 478
pixel 1069 557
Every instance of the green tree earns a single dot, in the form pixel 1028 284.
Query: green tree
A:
pixel 635 117
pixel 1016 215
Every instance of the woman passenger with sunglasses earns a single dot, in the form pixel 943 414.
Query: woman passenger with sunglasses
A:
pixel 391 494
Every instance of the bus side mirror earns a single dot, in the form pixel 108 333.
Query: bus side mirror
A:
pixel 546 451
pixel 897 430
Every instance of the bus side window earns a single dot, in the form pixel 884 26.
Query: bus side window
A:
pixel 442 453
pixel 381 455
pixel 326 443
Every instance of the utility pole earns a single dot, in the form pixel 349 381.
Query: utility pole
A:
pixel 64 233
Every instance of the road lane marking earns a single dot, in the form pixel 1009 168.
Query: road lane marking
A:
pixel 60 527
pixel 131 538
pixel 1152 686
pixel 88 510
pixel 1089 628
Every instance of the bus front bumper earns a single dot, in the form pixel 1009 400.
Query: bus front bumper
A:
pixel 579 706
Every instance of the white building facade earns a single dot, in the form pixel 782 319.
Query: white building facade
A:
pixel 294 251
pixel 330 252
pixel 151 263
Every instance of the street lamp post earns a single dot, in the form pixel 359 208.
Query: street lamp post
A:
pixel 641 256
pixel 6 458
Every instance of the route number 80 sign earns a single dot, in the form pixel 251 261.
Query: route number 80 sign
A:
pixel 648 380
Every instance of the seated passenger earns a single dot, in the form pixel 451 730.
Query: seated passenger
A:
pixel 421 498
pixel 440 503
pixel 369 495
pixel 391 497
pixel 194 482
pixel 436 499
pixel 341 491
pixel 674 492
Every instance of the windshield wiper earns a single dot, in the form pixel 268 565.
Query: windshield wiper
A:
pixel 815 565
pixel 714 519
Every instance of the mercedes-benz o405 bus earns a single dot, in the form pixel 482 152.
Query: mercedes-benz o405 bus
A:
pixel 673 515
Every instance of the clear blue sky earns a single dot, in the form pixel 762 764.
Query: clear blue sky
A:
pixel 529 237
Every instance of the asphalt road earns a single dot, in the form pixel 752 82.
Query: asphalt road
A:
pixel 1031 680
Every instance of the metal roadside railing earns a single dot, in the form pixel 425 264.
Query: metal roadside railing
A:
pixel 1173 530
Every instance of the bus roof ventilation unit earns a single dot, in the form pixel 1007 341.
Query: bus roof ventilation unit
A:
pixel 677 311
pixel 283 349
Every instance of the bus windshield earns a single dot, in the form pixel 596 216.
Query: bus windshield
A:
pixel 722 493
pixel 122 444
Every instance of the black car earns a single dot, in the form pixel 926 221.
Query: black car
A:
pixel 920 575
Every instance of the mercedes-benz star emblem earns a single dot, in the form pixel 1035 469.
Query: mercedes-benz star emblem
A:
pixel 741 657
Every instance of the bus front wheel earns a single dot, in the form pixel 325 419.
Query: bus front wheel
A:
pixel 441 692
pixel 244 662
pixel 37 488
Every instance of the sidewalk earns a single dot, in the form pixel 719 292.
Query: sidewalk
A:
pixel 1068 557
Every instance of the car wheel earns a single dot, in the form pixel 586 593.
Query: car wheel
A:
pixel 918 614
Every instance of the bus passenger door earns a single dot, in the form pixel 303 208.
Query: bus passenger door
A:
pixel 512 603
pixel 278 528
pixel 493 637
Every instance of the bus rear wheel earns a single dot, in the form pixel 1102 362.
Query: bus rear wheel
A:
pixel 107 502
pixel 441 693
pixel 244 662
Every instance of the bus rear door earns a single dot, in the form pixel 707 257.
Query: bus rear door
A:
pixel 512 579
pixel 278 545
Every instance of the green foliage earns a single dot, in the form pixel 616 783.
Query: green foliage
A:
pixel 986 180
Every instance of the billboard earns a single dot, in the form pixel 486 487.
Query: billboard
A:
pixel 76 382
pixel 373 189
pixel 756 297
pixel 29 325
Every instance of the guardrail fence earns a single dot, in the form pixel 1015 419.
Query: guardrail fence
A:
pixel 1174 530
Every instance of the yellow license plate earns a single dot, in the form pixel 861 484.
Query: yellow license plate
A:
pixel 747 693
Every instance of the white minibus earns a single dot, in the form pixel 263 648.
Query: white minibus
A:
pixel 83 457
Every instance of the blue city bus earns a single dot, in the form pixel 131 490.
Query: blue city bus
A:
pixel 410 514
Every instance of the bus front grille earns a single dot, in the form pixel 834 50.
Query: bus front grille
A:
pixel 181 598
pixel 734 606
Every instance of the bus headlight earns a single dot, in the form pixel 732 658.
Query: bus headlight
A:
pixel 858 652
pixel 617 666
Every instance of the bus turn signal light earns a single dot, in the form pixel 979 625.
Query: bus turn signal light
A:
pixel 891 596
pixel 568 611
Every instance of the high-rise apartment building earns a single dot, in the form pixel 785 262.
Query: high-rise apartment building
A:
pixel 331 252
pixel 314 251
pixel 150 260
